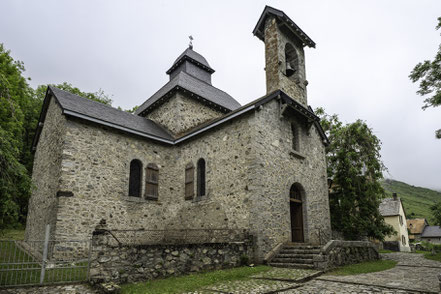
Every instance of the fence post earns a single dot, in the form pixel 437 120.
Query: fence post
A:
pixel 43 263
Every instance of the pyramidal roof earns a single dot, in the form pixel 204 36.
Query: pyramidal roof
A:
pixel 196 81
pixel 191 55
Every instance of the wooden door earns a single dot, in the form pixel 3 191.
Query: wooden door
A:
pixel 296 211
pixel 296 221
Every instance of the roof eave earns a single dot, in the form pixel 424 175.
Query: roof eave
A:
pixel 167 95
pixel 188 58
pixel 293 27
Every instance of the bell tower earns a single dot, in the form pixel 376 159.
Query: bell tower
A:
pixel 284 54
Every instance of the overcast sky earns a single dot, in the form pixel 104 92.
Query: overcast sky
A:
pixel 365 52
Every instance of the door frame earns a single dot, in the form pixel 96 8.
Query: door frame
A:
pixel 296 199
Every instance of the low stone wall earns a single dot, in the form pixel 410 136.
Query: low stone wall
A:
pixel 338 253
pixel 128 263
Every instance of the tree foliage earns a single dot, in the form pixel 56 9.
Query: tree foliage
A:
pixel 14 178
pixel 436 212
pixel 20 107
pixel 428 73
pixel 355 167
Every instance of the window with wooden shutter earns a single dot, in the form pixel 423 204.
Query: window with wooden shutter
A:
pixel 189 181
pixel 151 181
pixel 135 178
pixel 201 178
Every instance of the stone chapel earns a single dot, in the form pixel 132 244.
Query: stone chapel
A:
pixel 191 156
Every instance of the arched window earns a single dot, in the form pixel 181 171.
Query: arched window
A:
pixel 201 178
pixel 151 181
pixel 295 133
pixel 135 178
pixel 295 192
pixel 291 60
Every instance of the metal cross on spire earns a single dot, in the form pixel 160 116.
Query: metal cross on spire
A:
pixel 190 45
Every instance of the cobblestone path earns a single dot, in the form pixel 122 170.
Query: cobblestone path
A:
pixel 412 273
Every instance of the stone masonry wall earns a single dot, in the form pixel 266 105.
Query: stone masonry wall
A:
pixel 275 42
pixel 181 113
pixel 127 264
pixel 46 172
pixel 250 167
pixel 96 169
pixel 276 167
pixel 338 253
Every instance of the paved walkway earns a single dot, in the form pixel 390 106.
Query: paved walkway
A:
pixel 413 274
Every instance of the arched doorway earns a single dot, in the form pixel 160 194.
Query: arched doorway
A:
pixel 296 212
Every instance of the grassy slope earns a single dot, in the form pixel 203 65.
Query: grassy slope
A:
pixel 416 200
pixel 192 282
pixel 364 267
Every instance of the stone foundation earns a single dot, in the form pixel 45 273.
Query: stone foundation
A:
pixel 338 253
pixel 130 263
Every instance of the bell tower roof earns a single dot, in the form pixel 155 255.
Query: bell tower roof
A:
pixel 285 21
pixel 193 57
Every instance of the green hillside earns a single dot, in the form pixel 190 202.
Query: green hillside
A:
pixel 416 200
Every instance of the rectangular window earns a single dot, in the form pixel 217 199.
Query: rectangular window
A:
pixel 189 182
pixel 295 137
pixel 152 182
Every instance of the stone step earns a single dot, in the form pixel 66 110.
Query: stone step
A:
pixel 301 245
pixel 304 256
pixel 292 260
pixel 291 265
pixel 299 251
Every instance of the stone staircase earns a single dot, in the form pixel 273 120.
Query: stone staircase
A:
pixel 296 255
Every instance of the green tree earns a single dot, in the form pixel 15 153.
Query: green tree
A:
pixel 355 166
pixel 436 211
pixel 14 178
pixel 20 108
pixel 429 75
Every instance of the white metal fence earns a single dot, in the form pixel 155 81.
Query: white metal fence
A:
pixel 44 262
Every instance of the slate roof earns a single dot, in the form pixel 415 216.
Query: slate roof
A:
pixel 192 56
pixel 200 88
pixel 76 106
pixel 289 23
pixel 390 207
pixel 416 226
pixel 431 232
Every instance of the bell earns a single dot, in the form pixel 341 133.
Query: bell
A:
pixel 289 70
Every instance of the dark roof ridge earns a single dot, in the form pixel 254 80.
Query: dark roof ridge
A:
pixel 103 104
pixel 194 85
pixel 139 125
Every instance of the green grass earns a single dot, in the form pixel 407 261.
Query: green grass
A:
pixel 11 234
pixel 416 200
pixel 436 256
pixel 364 268
pixel 192 282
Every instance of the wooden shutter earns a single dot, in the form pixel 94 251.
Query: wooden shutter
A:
pixel 151 181
pixel 189 181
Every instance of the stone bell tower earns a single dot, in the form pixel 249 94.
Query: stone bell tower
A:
pixel 284 54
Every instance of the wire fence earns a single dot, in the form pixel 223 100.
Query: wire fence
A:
pixel 174 237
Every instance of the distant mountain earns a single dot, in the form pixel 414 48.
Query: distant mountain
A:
pixel 416 200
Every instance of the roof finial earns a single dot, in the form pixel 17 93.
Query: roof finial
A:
pixel 190 45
